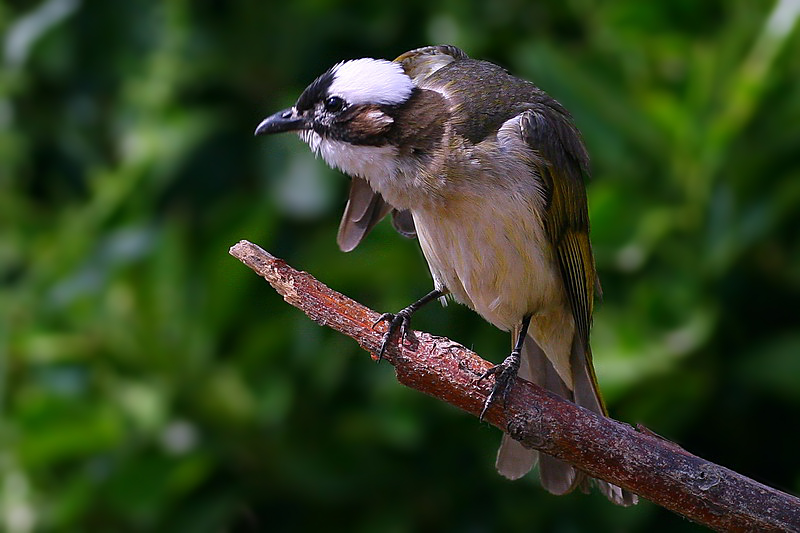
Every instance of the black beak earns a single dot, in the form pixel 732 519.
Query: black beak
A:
pixel 286 120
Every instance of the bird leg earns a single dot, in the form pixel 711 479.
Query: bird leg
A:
pixel 402 319
pixel 505 374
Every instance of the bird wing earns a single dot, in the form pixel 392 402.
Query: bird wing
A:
pixel 562 164
pixel 364 209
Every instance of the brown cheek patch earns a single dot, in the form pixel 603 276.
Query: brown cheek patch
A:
pixel 370 122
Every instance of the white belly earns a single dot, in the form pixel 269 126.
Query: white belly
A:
pixel 490 253
pixel 493 258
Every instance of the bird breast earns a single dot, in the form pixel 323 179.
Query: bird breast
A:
pixel 491 252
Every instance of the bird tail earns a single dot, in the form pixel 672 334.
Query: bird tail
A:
pixel 558 477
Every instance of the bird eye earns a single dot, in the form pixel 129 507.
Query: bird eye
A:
pixel 334 104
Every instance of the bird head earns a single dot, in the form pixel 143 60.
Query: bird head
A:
pixel 377 120
pixel 349 114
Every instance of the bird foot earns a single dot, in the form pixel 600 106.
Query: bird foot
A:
pixel 505 375
pixel 397 321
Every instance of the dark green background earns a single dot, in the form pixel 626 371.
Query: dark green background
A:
pixel 150 382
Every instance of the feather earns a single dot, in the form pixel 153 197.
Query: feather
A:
pixel 364 209
pixel 403 222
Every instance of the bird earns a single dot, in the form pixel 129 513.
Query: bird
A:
pixel 487 171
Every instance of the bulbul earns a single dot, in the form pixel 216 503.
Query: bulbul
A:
pixel 487 171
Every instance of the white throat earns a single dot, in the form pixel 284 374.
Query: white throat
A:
pixel 379 165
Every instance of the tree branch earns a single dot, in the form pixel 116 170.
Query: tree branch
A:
pixel 642 462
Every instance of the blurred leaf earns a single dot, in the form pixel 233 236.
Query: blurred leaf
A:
pixel 774 368
pixel 23 34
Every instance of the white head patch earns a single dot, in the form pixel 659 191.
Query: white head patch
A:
pixel 371 81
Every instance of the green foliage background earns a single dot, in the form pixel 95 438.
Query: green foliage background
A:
pixel 150 382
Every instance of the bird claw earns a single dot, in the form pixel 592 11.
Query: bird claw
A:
pixel 505 375
pixel 400 320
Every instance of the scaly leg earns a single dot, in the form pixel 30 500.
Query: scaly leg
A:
pixel 505 374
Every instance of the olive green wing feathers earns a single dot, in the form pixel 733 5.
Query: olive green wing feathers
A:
pixel 562 164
